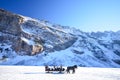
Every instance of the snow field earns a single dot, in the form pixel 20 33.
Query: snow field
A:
pixel 38 73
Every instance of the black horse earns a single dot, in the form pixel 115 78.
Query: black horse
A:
pixel 71 68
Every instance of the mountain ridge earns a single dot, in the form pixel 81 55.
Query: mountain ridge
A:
pixel 27 41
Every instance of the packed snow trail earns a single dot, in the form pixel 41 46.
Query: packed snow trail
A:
pixel 38 73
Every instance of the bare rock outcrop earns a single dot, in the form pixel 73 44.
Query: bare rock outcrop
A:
pixel 11 33
pixel 10 23
pixel 28 36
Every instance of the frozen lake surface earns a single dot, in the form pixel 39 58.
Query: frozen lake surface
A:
pixel 38 73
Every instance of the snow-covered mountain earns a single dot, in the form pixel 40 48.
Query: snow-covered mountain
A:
pixel 27 41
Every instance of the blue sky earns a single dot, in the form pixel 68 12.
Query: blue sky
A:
pixel 87 15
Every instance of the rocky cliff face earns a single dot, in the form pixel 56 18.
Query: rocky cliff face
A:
pixel 12 34
pixel 10 23
pixel 27 41
pixel 29 37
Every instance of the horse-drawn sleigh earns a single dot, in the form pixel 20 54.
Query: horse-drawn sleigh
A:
pixel 54 69
pixel 60 69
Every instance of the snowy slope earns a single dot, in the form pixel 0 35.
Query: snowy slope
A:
pixel 61 45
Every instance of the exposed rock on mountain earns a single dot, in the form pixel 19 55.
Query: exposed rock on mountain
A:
pixel 12 34
pixel 10 23
pixel 29 36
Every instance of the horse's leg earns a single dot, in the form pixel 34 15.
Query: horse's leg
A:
pixel 73 71
pixel 69 71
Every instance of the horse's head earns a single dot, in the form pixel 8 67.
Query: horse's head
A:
pixel 75 66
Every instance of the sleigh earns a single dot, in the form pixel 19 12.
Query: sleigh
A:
pixel 54 69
